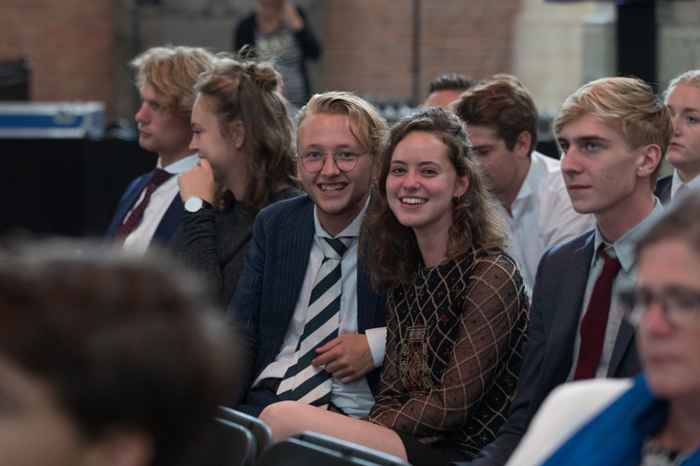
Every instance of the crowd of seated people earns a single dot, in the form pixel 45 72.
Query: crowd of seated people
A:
pixel 418 289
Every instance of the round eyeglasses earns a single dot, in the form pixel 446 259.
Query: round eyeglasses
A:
pixel 680 306
pixel 345 160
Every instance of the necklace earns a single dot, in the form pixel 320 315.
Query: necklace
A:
pixel 423 275
pixel 654 454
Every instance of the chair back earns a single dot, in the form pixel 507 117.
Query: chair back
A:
pixel 308 448
pixel 231 445
pixel 261 432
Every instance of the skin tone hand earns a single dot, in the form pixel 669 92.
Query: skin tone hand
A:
pixel 198 181
pixel 347 357
pixel 292 17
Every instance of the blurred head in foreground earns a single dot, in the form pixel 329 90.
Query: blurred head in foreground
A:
pixel 104 361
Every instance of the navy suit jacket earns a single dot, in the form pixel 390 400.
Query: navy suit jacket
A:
pixel 555 312
pixel 168 224
pixel 663 189
pixel 268 290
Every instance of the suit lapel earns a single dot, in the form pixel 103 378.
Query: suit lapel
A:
pixel 293 251
pixel 568 313
pixel 133 196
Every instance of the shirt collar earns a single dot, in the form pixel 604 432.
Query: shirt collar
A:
pixel 676 183
pixel 352 230
pixel 181 166
pixel 624 247
pixel 532 178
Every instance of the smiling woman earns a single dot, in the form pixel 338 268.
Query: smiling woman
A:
pixel 457 309
pixel 244 138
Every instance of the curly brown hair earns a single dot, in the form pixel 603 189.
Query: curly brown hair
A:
pixel 119 341
pixel 478 221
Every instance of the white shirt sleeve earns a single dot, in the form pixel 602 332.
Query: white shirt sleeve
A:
pixel 376 337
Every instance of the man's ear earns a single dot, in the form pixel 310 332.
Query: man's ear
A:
pixel 237 129
pixel 122 447
pixel 522 144
pixel 650 159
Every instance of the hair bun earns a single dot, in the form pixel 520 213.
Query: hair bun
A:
pixel 263 76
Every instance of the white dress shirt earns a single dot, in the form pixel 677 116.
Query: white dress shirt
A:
pixel 355 398
pixel 140 237
pixel 624 250
pixel 542 215
pixel 677 183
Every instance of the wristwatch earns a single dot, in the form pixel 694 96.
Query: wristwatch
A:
pixel 195 204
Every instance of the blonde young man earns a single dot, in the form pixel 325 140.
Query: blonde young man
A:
pixel 613 133
pixel 150 209
pixel 281 303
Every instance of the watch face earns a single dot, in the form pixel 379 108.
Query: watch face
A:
pixel 193 204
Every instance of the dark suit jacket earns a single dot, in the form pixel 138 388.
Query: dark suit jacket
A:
pixel 558 295
pixel 168 224
pixel 663 189
pixel 269 288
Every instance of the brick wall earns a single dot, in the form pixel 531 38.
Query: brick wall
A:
pixel 80 47
pixel 70 43
pixel 368 43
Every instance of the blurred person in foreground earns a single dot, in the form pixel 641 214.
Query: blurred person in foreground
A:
pixel 653 419
pixel 105 361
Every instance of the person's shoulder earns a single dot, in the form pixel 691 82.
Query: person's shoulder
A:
pixel 486 260
pixel 285 208
pixel 247 18
pixel 569 407
pixel 663 188
pixel 564 250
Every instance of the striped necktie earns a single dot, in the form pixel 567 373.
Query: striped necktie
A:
pixel 302 381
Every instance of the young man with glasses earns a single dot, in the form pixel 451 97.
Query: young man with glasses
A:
pixel 613 133
pixel 314 327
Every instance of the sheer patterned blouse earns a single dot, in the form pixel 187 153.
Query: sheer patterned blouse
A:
pixel 453 355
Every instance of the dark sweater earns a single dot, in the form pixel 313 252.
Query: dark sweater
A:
pixel 215 245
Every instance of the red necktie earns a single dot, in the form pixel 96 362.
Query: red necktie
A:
pixel 596 319
pixel 158 177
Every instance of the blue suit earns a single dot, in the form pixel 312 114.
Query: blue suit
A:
pixel 168 224
pixel 555 312
pixel 269 288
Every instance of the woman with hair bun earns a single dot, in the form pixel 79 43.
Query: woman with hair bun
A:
pixel 243 134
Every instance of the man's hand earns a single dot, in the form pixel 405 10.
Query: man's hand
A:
pixel 347 357
pixel 198 181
